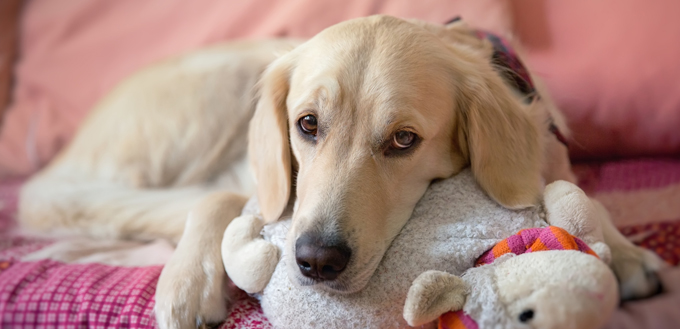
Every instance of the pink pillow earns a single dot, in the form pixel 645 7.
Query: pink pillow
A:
pixel 73 52
pixel 613 67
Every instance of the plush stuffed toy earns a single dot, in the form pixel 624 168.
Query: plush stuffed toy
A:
pixel 451 227
pixel 539 278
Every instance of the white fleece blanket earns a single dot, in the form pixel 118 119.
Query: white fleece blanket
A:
pixel 451 226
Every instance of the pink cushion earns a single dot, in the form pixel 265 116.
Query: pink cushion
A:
pixel 614 68
pixel 73 52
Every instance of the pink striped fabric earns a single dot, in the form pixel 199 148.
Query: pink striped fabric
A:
pixel 628 175
pixel 535 239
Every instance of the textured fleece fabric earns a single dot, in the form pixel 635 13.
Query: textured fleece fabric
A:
pixel 452 225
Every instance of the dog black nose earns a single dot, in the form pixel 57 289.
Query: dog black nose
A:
pixel 321 261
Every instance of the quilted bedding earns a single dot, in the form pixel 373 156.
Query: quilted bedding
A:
pixel 643 197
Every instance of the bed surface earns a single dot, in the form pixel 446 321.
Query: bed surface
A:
pixel 642 195
pixel 621 105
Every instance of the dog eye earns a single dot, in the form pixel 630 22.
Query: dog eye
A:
pixel 403 139
pixel 308 124
pixel 526 316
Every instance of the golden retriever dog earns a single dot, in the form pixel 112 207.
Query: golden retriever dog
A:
pixel 347 131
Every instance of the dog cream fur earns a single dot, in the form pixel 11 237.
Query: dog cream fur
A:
pixel 172 137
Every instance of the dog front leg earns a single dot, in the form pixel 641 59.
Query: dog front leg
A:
pixel 192 288
pixel 635 267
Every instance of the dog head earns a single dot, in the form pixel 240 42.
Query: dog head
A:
pixel 355 123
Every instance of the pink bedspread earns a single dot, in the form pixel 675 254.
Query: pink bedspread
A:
pixel 49 293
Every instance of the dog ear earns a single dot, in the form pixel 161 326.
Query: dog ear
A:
pixel 268 144
pixel 432 294
pixel 499 138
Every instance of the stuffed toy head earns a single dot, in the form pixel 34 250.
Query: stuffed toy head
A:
pixel 539 278
pixel 451 227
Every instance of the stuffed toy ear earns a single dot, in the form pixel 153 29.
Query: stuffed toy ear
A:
pixel 432 294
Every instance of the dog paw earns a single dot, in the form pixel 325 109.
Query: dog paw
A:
pixel 636 268
pixel 191 294
pixel 248 259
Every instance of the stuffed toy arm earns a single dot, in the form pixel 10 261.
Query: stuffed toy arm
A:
pixel 248 259
pixel 568 207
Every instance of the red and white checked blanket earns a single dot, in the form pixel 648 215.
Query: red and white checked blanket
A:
pixel 643 197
